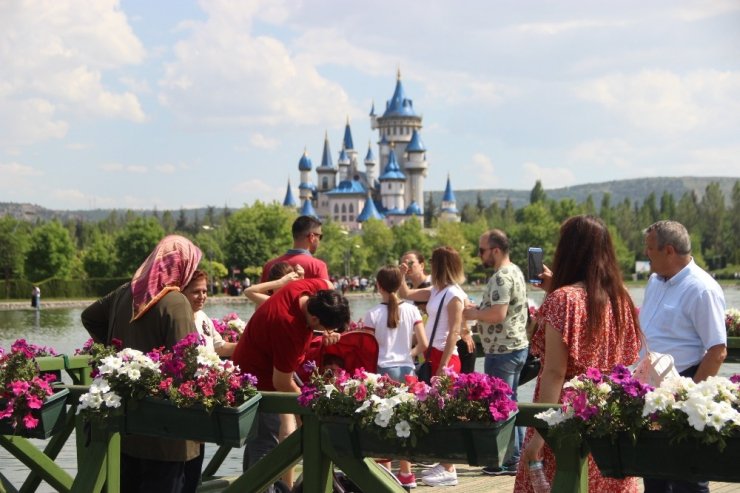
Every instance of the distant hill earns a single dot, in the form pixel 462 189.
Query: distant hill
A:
pixel 636 190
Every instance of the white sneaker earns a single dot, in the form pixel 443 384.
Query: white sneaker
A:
pixel 441 478
pixel 432 470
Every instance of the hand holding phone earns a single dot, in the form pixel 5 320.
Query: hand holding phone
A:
pixel 535 266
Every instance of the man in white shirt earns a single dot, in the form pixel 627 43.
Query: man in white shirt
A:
pixel 682 315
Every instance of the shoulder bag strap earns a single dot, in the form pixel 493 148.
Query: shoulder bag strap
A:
pixel 434 329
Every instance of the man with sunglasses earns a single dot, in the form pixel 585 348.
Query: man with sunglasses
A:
pixel 306 238
pixel 503 318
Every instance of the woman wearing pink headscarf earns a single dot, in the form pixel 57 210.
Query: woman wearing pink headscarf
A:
pixel 146 313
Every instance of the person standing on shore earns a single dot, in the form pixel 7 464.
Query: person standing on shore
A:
pixel 307 236
pixel 502 314
pixel 683 315
pixel 36 298
pixel 146 313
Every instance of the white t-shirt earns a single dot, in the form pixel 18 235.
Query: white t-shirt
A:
pixel 204 326
pixel 394 344
pixel 443 327
pixel 684 316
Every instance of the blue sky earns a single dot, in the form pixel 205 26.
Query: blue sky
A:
pixel 174 103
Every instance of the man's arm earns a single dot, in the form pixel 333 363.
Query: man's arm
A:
pixel 494 314
pixel 283 382
pixel 711 362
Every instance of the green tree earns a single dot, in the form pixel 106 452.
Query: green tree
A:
pixel 430 212
pixel 734 223
pixel 537 194
pixel 589 207
pixel 256 234
pixel 168 222
pixel 135 242
pixel 99 258
pixel 182 221
pixel 712 209
pixel 51 253
pixel 687 211
pixel 410 236
pixel 377 239
pixel 606 212
pixel 667 205
pixel 452 234
pixel 14 241
pixel 538 228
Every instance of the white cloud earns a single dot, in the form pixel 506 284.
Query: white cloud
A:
pixel 16 169
pixel 667 102
pixel 71 196
pixel 166 168
pixel 601 153
pixel 138 169
pixel 57 52
pixel 555 28
pixel 484 171
pixel 699 10
pixel 260 141
pixel 223 75
pixel 124 168
pixel 554 177
pixel 255 189
pixel 112 167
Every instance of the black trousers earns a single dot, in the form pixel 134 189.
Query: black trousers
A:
pixel 151 476
pixel 467 359
pixel 671 486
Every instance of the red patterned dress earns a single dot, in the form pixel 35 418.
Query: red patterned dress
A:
pixel 565 310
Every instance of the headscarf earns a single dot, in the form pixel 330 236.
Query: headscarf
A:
pixel 168 268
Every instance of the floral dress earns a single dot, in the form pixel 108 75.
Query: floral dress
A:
pixel 565 310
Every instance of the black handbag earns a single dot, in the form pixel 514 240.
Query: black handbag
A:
pixel 424 371
pixel 531 369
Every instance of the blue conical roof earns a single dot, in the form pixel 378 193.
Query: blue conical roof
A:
pixel 369 211
pixel 343 158
pixel 348 144
pixel 383 140
pixel 372 110
pixel 413 209
pixel 415 145
pixel 449 196
pixel 399 104
pixel 289 200
pixel 370 157
pixel 392 171
pixel 307 209
pixel 326 161
pixel 305 163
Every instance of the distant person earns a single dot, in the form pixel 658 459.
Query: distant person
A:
pixel 683 314
pixel 36 298
pixel 587 320
pixel 146 313
pixel 502 314
pixel 197 293
pixel 307 236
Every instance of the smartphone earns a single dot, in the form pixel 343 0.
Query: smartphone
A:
pixel 534 260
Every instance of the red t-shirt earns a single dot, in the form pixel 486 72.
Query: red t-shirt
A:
pixel 277 335
pixel 313 268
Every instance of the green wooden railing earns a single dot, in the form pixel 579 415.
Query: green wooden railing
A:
pixel 98 451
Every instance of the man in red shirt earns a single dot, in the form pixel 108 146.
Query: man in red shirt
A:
pixel 276 339
pixel 306 238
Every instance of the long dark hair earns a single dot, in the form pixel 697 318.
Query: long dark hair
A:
pixel 389 278
pixel 585 253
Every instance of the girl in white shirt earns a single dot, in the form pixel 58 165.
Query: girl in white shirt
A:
pixel 395 324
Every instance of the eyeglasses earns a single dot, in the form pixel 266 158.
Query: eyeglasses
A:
pixel 320 235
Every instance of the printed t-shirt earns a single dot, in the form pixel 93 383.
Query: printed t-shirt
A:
pixel 277 335
pixel 506 287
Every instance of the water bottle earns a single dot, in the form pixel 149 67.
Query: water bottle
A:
pixel 537 477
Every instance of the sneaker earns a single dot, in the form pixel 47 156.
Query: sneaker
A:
pixel 441 478
pixel 505 470
pixel 407 480
pixel 435 469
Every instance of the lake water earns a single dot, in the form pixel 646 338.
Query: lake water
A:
pixel 61 329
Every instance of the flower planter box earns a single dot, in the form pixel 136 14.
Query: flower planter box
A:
pixel 224 425
pixel 733 350
pixel 477 444
pixel 50 416
pixel 655 456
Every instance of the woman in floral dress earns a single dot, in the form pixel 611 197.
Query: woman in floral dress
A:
pixel 589 320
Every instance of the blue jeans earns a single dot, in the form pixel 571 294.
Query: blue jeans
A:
pixel 507 367
pixel 396 372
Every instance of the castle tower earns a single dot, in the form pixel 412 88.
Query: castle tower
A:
pixel 448 209
pixel 392 186
pixel 344 166
pixel 349 148
pixel 416 169
pixel 289 200
pixel 305 188
pixel 370 166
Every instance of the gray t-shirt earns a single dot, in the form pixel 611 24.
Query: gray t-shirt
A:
pixel 506 286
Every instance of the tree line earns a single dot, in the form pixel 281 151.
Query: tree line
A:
pixel 238 243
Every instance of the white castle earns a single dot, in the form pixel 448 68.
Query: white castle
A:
pixel 391 187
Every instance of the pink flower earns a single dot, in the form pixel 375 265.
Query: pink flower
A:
pixel 34 402
pixel 361 393
pixel 30 422
pixel 19 387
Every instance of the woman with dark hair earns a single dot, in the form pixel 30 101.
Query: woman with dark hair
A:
pixel 589 320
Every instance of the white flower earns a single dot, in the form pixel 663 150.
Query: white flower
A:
pixel 133 373
pixel 237 324
pixel 329 388
pixel 403 429
pixel 365 405
pixel 555 416
pixel 604 388
pixel 112 399
pixel 659 399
